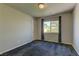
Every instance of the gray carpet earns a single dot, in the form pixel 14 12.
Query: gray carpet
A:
pixel 42 48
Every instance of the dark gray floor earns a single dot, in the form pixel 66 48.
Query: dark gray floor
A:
pixel 42 48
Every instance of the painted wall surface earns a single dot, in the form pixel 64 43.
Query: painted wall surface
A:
pixel 66 30
pixel 15 28
pixel 52 37
pixel 76 28
pixel 35 31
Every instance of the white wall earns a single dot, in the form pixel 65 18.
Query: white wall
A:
pixel 35 22
pixel 15 28
pixel 76 28
pixel 52 37
pixel 37 29
pixel 67 32
pixel 67 28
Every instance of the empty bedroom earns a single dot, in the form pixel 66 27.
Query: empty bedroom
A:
pixel 39 29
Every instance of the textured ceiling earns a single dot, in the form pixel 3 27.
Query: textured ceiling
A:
pixel 52 8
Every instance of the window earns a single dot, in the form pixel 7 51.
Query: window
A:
pixel 51 26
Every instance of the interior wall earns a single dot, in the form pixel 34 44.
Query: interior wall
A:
pixel 76 28
pixel 15 28
pixel 66 30
pixel 52 37
pixel 37 29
